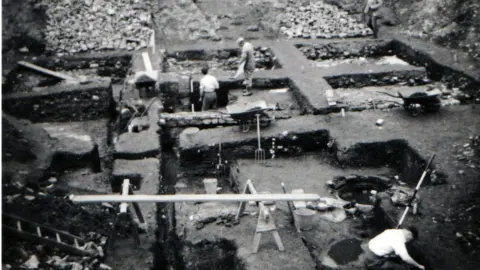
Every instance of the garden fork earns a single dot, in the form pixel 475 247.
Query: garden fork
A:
pixel 259 153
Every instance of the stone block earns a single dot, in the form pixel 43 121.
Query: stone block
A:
pixel 143 174
pixel 137 145
pixel 168 84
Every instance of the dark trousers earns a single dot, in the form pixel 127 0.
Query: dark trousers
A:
pixel 209 101
pixel 372 22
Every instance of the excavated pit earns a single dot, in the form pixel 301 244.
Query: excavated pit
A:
pixel 203 235
pixel 38 97
pixel 360 64
pixel 93 66
pixel 360 71
pixel 173 248
pixel 190 62
pixel 180 78
pixel 325 169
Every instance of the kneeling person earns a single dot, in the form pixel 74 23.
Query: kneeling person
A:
pixel 383 248
pixel 208 86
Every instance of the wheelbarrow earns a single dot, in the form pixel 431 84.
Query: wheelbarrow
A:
pixel 416 102
pixel 245 114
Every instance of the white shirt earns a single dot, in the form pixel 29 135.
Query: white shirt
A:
pixel 373 5
pixel 389 241
pixel 208 84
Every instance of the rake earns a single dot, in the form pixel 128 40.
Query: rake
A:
pixel 259 153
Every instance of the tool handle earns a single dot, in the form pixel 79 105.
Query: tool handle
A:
pixel 424 173
pixel 258 130
pixel 403 216
pixel 415 191
pixel 288 203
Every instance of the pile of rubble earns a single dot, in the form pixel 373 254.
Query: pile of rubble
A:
pixel 183 20
pixel 320 20
pixel 96 25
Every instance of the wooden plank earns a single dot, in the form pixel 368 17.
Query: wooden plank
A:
pixel 136 207
pixel 146 62
pixel 45 71
pixel 125 190
pixel 251 187
pixel 58 238
pixel 193 198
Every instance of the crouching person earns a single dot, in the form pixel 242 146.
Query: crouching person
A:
pixel 208 86
pixel 385 249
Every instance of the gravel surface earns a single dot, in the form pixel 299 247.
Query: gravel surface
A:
pixel 320 20
pixel 95 25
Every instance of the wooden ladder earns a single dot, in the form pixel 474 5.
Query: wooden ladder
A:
pixel 40 234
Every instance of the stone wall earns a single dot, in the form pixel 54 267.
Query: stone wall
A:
pixel 63 102
pixel 107 64
pixel 409 77
pixel 341 50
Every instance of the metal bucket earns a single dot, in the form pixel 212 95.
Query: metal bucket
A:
pixel 210 185
pixel 304 218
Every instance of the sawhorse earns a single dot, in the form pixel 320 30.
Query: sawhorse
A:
pixel 125 214
pixel 265 221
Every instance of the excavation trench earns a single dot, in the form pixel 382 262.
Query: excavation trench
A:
pixel 360 71
pixel 173 249
pixel 204 235
pixel 302 161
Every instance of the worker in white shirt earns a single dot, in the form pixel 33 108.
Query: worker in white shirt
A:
pixel 371 14
pixel 246 65
pixel 208 86
pixel 384 248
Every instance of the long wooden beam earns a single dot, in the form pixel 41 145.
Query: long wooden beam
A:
pixel 192 198
pixel 46 71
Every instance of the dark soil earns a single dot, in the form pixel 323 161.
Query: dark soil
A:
pixel 346 251
pixel 212 255
pixel 23 23
pixel 56 211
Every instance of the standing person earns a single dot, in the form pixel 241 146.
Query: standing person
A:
pixel 208 86
pixel 371 14
pixel 247 65
pixel 386 247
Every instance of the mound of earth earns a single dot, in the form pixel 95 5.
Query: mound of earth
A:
pixel 450 23
pixel 27 151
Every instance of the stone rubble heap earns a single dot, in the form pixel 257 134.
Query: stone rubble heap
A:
pixel 184 20
pixel 97 25
pixel 320 20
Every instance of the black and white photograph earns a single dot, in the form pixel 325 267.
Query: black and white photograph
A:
pixel 240 134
